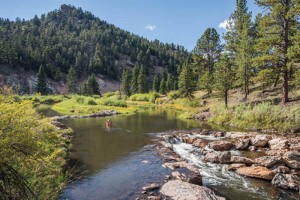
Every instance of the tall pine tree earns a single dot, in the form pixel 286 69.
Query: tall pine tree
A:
pixel 142 81
pixel 186 82
pixel 156 83
pixel 134 79
pixel 278 29
pixel 126 80
pixel 41 81
pixel 72 80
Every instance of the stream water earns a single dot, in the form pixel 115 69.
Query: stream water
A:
pixel 116 163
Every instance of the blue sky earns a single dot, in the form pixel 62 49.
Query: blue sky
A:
pixel 174 21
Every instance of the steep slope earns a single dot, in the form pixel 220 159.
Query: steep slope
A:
pixel 69 37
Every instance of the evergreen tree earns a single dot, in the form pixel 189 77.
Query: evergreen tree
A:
pixel 134 79
pixel 208 50
pixel 224 76
pixel 142 81
pixel 186 82
pixel 240 41
pixel 92 86
pixel 126 80
pixel 278 29
pixel 41 81
pixel 163 87
pixel 170 83
pixel 156 83
pixel 71 81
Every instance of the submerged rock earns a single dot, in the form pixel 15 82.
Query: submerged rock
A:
pixel 286 181
pixel 256 172
pixel 221 145
pixel 179 190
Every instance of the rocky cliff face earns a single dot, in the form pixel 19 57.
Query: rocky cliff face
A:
pixel 24 82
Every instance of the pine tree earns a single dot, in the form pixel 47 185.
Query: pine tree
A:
pixel 72 80
pixel 41 81
pixel 170 83
pixel 126 80
pixel 208 50
pixel 134 82
pixel 278 29
pixel 92 86
pixel 156 83
pixel 224 76
pixel 162 87
pixel 142 80
pixel 186 82
pixel 240 41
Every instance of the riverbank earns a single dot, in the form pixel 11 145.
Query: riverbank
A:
pixel 274 159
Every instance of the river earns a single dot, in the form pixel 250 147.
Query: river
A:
pixel 116 163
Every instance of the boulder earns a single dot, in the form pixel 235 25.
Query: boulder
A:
pixel 217 157
pixel 256 172
pixel 152 186
pixel 252 148
pixel 221 145
pixel 234 167
pixel 179 190
pixel 243 144
pixel 188 176
pixel 200 143
pixel 182 164
pixel 286 181
pixel 282 169
pixel 188 140
pixel 292 159
pixel 270 161
pixel 260 140
pixel 278 144
pixel 239 159
pixel 217 134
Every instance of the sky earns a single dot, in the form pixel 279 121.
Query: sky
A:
pixel 174 21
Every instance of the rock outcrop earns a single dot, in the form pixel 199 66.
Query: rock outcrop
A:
pixel 221 145
pixel 286 181
pixel 179 190
pixel 256 172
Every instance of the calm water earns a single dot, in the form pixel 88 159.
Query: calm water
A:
pixel 116 163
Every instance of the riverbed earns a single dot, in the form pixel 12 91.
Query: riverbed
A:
pixel 116 163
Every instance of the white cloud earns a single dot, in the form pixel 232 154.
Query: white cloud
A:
pixel 225 24
pixel 151 27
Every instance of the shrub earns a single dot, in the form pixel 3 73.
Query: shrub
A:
pixel 173 95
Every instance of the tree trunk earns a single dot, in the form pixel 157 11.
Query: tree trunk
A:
pixel 226 98
pixel 285 86
pixel 276 81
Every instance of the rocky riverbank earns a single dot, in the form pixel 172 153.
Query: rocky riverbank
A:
pixel 267 157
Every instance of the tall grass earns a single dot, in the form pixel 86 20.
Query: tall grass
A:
pixel 259 116
pixel 149 97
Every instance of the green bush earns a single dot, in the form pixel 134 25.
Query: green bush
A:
pixel 150 97
pixel 113 102
pixel 173 95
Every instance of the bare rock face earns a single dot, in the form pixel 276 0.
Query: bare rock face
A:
pixel 292 159
pixel 243 144
pixel 260 140
pixel 217 157
pixel 200 143
pixel 270 161
pixel 286 181
pixel 234 167
pixel 278 144
pixel 221 145
pixel 179 190
pixel 239 159
pixel 256 172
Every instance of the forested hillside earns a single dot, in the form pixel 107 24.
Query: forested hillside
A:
pixel 70 37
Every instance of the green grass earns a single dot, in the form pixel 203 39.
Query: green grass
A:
pixel 148 97
pixel 258 116
pixel 81 105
